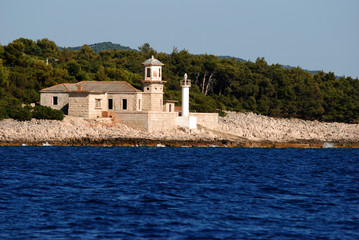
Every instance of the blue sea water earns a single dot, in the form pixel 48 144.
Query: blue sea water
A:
pixel 178 193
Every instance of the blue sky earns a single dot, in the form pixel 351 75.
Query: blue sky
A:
pixel 312 34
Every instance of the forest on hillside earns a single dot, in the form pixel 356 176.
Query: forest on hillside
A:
pixel 218 84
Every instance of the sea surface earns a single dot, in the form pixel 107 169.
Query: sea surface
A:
pixel 178 193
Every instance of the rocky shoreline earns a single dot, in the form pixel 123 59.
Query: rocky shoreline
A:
pixel 234 130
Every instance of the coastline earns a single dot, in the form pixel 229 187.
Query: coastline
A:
pixel 235 130
pixel 123 142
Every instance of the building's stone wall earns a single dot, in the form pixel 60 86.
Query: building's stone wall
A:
pixel 169 107
pixel 96 111
pixel 132 101
pixel 148 121
pixel 46 99
pixel 139 102
pixel 209 120
pixel 79 104
pixel 152 102
pixel 146 102
pixel 152 96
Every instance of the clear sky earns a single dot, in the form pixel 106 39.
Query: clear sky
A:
pixel 312 34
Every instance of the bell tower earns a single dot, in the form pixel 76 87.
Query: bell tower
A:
pixel 152 85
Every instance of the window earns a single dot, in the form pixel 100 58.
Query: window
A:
pixel 139 104
pixel 124 104
pixel 110 104
pixel 97 103
pixel 170 108
pixel 55 100
pixel 159 72
pixel 148 72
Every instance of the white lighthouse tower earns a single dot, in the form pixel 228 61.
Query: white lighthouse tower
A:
pixel 186 120
pixel 185 84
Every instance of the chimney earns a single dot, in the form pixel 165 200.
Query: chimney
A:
pixel 79 88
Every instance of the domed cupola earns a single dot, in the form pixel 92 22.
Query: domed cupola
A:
pixel 152 70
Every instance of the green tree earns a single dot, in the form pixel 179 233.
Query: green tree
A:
pixel 73 68
pixel 4 75
pixel 47 48
pixel 101 75
pixel 31 48
pixel 14 53
pixel 146 50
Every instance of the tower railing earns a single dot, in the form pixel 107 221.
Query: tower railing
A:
pixel 185 82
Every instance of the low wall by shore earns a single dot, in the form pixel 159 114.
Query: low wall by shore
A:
pixel 148 121
pixel 208 120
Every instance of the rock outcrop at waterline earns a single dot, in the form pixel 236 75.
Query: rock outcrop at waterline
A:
pixel 234 130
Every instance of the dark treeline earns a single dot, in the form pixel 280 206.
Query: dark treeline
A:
pixel 218 84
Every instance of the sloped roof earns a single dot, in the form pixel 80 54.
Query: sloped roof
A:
pixel 153 62
pixel 107 86
pixel 93 86
pixel 63 87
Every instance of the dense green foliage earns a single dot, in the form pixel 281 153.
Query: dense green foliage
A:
pixel 218 84
pixel 43 112
pixel 27 113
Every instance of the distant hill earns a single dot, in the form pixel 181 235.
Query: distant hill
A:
pixel 98 47
pixel 310 71
pixel 284 66
pixel 229 57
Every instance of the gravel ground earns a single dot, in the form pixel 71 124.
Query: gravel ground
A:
pixel 260 128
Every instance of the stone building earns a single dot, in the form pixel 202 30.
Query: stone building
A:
pixel 142 109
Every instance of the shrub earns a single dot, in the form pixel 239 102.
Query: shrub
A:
pixel 3 113
pixel 20 114
pixel 43 112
